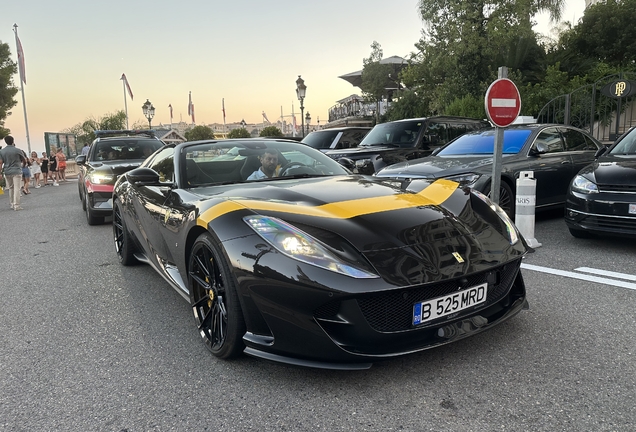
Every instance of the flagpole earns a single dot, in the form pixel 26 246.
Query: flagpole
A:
pixel 22 79
pixel 123 83
pixel 223 104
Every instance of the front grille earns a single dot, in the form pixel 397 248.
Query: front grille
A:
pixel 610 223
pixel 392 311
pixel 617 188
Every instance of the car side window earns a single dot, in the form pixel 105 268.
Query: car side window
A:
pixel 351 138
pixel 455 130
pixel 574 140
pixel 163 164
pixel 551 138
pixel 436 134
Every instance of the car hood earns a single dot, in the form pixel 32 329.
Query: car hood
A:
pixel 360 151
pixel 613 170
pixel 407 237
pixel 436 166
pixel 115 167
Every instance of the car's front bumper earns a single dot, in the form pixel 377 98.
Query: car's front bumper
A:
pixel 602 213
pixel 99 198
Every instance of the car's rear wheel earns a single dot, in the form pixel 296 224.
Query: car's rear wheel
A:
pixel 506 199
pixel 214 299
pixel 124 245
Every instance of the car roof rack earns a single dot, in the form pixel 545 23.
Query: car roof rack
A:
pixel 114 133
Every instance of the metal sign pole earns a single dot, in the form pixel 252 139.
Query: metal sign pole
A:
pixel 495 183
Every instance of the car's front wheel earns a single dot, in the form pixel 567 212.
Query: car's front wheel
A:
pixel 124 245
pixel 506 199
pixel 214 299
pixel 90 216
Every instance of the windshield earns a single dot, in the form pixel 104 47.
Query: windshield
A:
pixel 238 161
pixel 401 134
pixel 320 139
pixel 108 150
pixel 483 142
pixel 626 146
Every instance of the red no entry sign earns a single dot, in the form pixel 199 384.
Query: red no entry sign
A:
pixel 503 102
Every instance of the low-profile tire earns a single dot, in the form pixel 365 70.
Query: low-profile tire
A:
pixel 506 198
pixel 214 299
pixel 124 246
pixel 577 233
pixel 90 216
pixel 82 197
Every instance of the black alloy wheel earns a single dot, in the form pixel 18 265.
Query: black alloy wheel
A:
pixel 124 246
pixel 506 199
pixel 214 300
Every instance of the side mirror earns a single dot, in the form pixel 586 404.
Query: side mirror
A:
pixel 143 177
pixel 80 160
pixel 600 152
pixel 540 148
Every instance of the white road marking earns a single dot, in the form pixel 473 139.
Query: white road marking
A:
pixel 580 276
pixel 606 273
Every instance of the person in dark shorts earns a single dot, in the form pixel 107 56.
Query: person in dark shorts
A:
pixel 44 166
pixel 53 169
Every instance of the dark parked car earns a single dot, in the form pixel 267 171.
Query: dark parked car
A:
pixel 602 196
pixel 316 266
pixel 397 141
pixel 335 138
pixel 555 153
pixel 110 155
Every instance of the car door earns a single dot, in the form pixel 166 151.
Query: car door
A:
pixel 580 147
pixel 151 209
pixel 552 169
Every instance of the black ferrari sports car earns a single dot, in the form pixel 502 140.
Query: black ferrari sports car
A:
pixel 316 266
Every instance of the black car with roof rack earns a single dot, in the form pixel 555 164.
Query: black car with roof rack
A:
pixel 112 153
pixel 401 140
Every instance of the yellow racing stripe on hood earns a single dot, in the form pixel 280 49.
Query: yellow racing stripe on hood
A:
pixel 434 194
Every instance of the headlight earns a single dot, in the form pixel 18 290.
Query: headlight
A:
pixel 101 178
pixel 300 246
pixel 583 185
pixel 464 179
pixel 362 162
pixel 511 229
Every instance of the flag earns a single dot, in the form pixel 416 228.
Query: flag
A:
pixel 223 104
pixel 170 106
pixel 265 117
pixel 20 60
pixel 192 105
pixel 123 78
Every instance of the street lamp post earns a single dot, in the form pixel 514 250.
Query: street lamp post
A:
pixel 149 112
pixel 301 88
pixel 307 120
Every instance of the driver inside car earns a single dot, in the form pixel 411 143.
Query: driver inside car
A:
pixel 269 166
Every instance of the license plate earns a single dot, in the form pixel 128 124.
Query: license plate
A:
pixel 632 209
pixel 450 304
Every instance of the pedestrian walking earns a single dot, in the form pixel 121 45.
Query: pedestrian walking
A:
pixel 26 176
pixel 53 169
pixel 11 159
pixel 61 165
pixel 85 149
pixel 44 166
pixel 36 169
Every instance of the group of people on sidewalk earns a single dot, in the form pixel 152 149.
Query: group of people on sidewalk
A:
pixel 19 169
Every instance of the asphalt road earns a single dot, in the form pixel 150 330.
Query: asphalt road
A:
pixel 89 345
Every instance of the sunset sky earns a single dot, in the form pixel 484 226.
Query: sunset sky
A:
pixel 247 52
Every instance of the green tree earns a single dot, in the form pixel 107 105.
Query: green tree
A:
pixel 239 133
pixel 199 133
pixel 607 32
pixel 7 88
pixel 374 77
pixel 271 131
pixel 464 43
pixel 85 131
